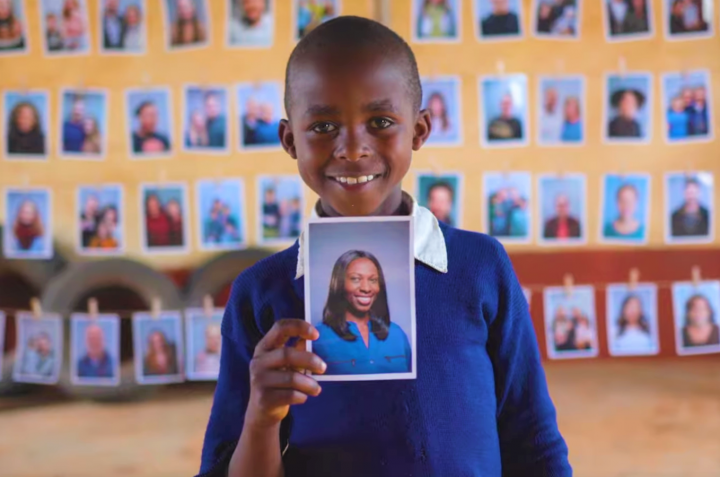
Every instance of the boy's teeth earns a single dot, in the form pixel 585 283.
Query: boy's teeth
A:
pixel 352 180
pixel 355 180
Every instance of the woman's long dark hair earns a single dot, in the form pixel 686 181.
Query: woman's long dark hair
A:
pixel 336 304
pixel 622 321
pixel 689 304
pixel 444 120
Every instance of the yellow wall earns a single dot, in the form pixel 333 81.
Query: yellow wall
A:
pixel 591 56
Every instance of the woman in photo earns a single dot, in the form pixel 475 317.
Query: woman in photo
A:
pixel 436 20
pixel 437 107
pixel 563 331
pixel 92 143
pixel 11 28
pixel 186 28
pixel 104 237
pixel 356 334
pixel 28 228
pixel 157 224
pixel 133 34
pixel 73 25
pixel 25 134
pixel 627 102
pixel 197 134
pixel 583 331
pixel 626 225
pixel 160 357
pixel 633 327
pixel 174 214
pixel 572 125
pixel 699 327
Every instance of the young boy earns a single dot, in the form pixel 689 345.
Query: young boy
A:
pixel 480 404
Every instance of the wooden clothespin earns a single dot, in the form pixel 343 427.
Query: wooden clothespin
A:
pixel 25 182
pixel 633 279
pixel 622 66
pixel 500 67
pixel 24 90
pixel 92 308
pixel 560 66
pixel 145 79
pixel 162 177
pixel 435 166
pixel 208 306
pixel 569 284
pixel 36 308
pixel 155 308
pixel 696 276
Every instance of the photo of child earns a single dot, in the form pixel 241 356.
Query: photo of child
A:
pixel 308 14
pixel 687 104
pixel 688 19
pixel 100 220
pixel 221 214
pixel 504 106
pixel 689 210
pixel 205 125
pixel 149 122
pixel 435 20
pixel 13 28
pixel 260 107
pixel 83 124
pixel 66 27
pixel 498 19
pixel 187 24
pixel 164 212
pixel 696 309
pixel 441 194
pixel 28 225
pixel 563 209
pixel 26 124
pixel 561 109
pixel 123 27
pixel 508 214
pixel 628 108
pixel 625 209
pixel 441 98
pixel 556 19
pixel 251 23
pixel 627 20
pixel 570 324
pixel 632 328
pixel 281 211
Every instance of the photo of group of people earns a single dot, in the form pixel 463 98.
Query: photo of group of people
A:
pixel 687 19
pixel 570 323
pixel 26 116
pixel 686 98
pixel 311 13
pixel 66 27
pixel 282 205
pixel 149 119
pixel 100 220
pixel 557 19
pixel 84 124
pixel 441 98
pixel 625 208
pixel 441 194
pixel 260 109
pixel 507 210
pixel 221 206
pixel 205 126
pixel 13 27
pixel 27 233
pixel 123 26
pixel 164 224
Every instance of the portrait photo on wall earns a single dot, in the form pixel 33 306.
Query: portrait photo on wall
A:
pixel 436 20
pixel 696 309
pixel 26 115
pixel 689 210
pixel 250 23
pixel 164 218
pixel 83 127
pixel 561 111
pixel 688 19
pixel 101 220
pixel 123 26
pixel 149 122
pixel 441 98
pixel 13 28
pixel 308 14
pixel 222 224
pixel 570 324
pixel 205 120
pixel 563 209
pixel 627 20
pixel 625 209
pixel 39 350
pixel 28 223
pixel 498 20
pixel 65 27
pixel 442 194
pixel 282 206
pixel 632 325
pixel 504 111
pixel 687 105
pixel 2 339
pixel 158 347
pixel 204 344
pixel 628 108
pixel 507 211
pixel 95 350
pixel 187 24
pixel 360 295
pixel 557 19
pixel 260 106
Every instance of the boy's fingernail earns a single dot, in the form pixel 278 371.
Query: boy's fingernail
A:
pixel 323 366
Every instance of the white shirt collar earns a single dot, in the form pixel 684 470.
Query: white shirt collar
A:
pixel 429 240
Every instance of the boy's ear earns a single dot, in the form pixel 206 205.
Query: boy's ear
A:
pixel 423 128
pixel 287 139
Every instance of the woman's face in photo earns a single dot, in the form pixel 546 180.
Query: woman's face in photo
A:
pixel 26 119
pixel 627 202
pixel 362 284
pixel 89 126
pixel 132 16
pixel 27 213
pixel 156 342
pixel 42 344
pixel 253 9
pixel 173 210
pixel 632 311
pixel 197 120
pixel 153 206
pixel 436 106
pixel 572 109
pixel 213 339
pixel 5 9
pixel 186 9
pixel 700 311
pixel 628 105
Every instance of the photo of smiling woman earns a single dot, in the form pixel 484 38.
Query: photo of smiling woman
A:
pixel 696 307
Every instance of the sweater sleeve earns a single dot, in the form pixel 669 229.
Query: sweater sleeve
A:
pixel 530 441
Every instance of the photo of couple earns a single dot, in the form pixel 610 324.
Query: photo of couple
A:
pixel 688 19
pixel 39 352
pixel 281 209
pixel 99 217
pixel 260 107
pixel 164 224
pixel 557 19
pixel 149 122
pixel 65 26
pixel 627 20
pixel 28 224
pixel 84 120
pixel 507 206
pixel 560 112
pixel 628 108
pixel 205 126
pixel 158 350
pixel 221 214
pixel 122 23
pixel 26 124
pixel 570 323
pixel 689 208
pixel 13 27
pixel 687 103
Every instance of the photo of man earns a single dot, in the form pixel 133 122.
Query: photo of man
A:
pixel 39 349
pixel 499 19
pixel 95 350
pixel 562 209
pixel 689 207
pixel 84 120
pixel 149 123
pixel 442 195
pixel 251 24
pixel 504 110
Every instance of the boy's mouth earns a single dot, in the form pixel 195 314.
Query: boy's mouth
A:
pixel 349 181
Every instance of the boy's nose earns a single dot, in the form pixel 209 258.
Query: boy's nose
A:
pixel 352 146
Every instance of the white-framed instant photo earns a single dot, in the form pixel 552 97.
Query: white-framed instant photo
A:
pixel 696 307
pixel 65 27
pixel 369 334
pixel 632 319
pixel 122 27
pixel 158 347
pixel 507 206
pixel 203 343
pixel 627 108
pixel 2 341
pixel 95 350
pixel 206 120
pixel 628 21
pixel 498 20
pixel 305 18
pixel 100 216
pixel 178 15
pixel 688 19
pixel 625 209
pixel 436 22
pixel 281 202
pixel 504 111
pixel 442 193
pixel 562 209
pixel 149 122
pixel 442 99
pixel 83 123
pixel 165 216
pixel 689 207
pixel 250 24
pixel 16 39
pixel 561 111
pixel 687 107
pixel 28 231
pixel 39 350
pixel 26 124
pixel 221 214
pixel 556 20
pixel 259 109
pixel 570 322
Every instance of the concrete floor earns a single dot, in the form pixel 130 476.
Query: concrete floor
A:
pixel 621 419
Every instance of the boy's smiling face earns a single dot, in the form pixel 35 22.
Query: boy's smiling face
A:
pixel 352 128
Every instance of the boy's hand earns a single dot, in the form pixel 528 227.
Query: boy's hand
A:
pixel 277 377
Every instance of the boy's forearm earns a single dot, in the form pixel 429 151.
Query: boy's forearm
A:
pixel 257 453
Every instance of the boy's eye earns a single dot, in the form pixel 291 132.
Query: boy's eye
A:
pixel 324 128
pixel 381 123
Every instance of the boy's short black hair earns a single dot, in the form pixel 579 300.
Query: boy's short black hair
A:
pixel 355 33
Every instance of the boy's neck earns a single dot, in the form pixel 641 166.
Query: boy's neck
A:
pixel 394 205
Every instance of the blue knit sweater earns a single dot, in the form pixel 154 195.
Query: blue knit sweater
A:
pixel 478 408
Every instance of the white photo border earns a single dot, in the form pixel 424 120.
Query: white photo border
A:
pixel 122 52
pixel 649 100
pixel 623 287
pixel 646 216
pixel 103 125
pixel 122 222
pixel 190 315
pixel 583 239
pixel 170 250
pixel 710 137
pixel 55 320
pixel 550 292
pixel 484 204
pixel 48 252
pixel 5 122
pixel 677 327
pixel 129 123
pixel 504 144
pixel 243 244
pixel 583 110
pixel 414 11
pixel 667 211
pixel 141 316
pixel 75 320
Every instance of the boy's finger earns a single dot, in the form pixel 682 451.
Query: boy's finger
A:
pixel 290 358
pixel 290 380
pixel 282 331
